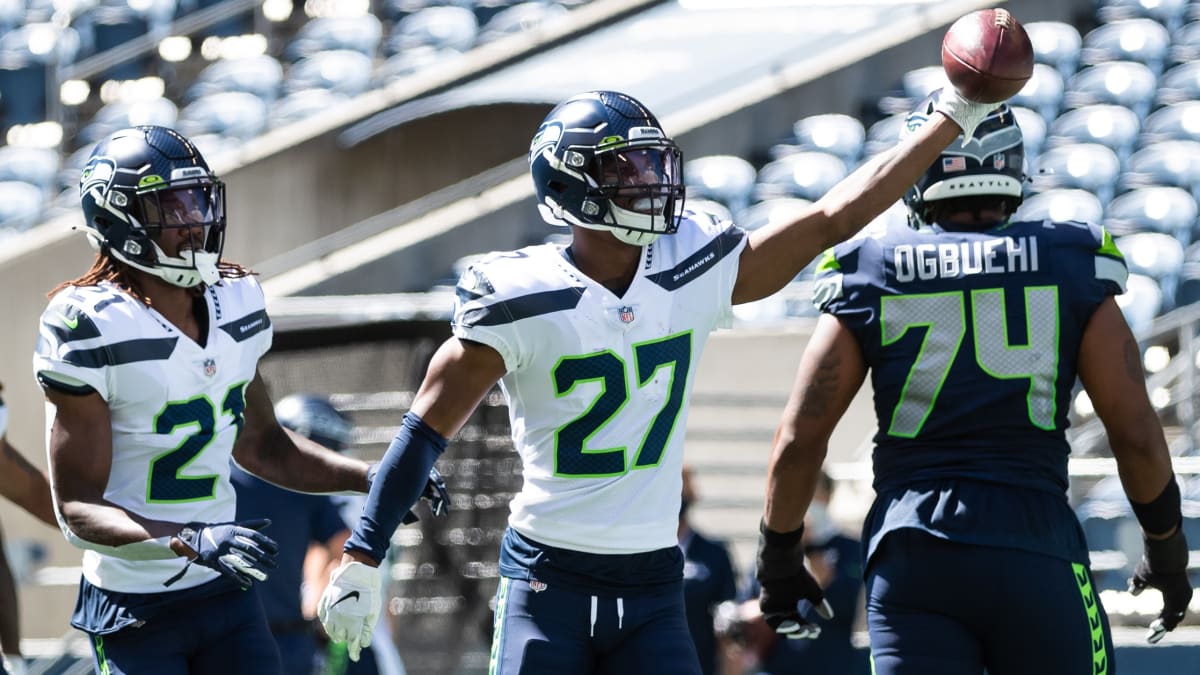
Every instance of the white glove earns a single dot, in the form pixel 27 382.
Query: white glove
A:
pixel 15 664
pixel 966 114
pixel 350 605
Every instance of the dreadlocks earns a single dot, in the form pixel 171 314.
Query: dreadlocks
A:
pixel 108 268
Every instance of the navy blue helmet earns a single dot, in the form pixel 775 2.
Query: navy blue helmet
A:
pixel 601 160
pixel 315 418
pixel 142 180
pixel 991 163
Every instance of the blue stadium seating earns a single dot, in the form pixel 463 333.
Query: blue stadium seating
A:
pixel 1062 205
pixel 726 179
pixel 1056 44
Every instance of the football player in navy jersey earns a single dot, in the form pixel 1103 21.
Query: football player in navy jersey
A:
pixel 595 345
pixel 974 329
pixel 149 364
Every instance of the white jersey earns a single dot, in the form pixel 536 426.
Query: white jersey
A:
pixel 176 407
pixel 598 385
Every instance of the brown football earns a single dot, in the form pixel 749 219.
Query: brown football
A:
pixel 987 56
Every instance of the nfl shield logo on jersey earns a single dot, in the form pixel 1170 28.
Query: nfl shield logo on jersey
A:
pixel 210 367
pixel 625 314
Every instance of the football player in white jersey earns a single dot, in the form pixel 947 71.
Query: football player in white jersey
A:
pixel 595 346
pixel 149 363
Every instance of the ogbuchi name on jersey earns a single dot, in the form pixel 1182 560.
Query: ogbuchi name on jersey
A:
pixel 953 259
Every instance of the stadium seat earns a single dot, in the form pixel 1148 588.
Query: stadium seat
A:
pixel 343 71
pixel 302 104
pixel 1056 44
pixel 395 10
pixel 1061 205
pixel 37 166
pixel 1033 130
pixel 411 61
pixel 915 85
pixel 360 34
pixel 40 42
pixel 1169 163
pixel 1168 210
pixel 1176 122
pixel 112 26
pixel 807 175
pixel 520 18
pixel 1043 93
pixel 260 75
pixel 1142 40
pixel 235 114
pixel 213 146
pixel 722 178
pixel 1124 83
pixel 1140 303
pixel 1085 166
pixel 1115 127
pixel 770 211
pixel 840 135
pixel 1179 84
pixel 442 28
pixel 121 114
pixel 884 134
pixel 1185 44
pixel 1157 256
pixel 1169 13
pixel 20 205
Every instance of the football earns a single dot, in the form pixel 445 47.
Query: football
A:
pixel 987 56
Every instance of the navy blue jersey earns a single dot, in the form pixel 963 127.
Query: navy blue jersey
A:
pixel 297 520
pixel 972 339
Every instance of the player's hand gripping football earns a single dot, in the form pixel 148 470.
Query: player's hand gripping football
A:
pixel 1164 566
pixel 435 493
pixel 785 582
pixel 237 550
pixel 350 605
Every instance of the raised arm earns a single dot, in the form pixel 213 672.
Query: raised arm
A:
pixel 288 459
pixel 776 253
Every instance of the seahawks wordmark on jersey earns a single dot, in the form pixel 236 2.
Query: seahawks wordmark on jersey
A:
pixel 176 407
pixel 598 385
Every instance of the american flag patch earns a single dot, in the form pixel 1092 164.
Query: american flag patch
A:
pixel 954 164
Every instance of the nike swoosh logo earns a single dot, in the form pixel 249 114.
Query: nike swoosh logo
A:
pixel 351 594
pixel 70 323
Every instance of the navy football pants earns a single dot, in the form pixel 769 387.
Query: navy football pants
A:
pixel 939 608
pixel 225 634
pixel 561 631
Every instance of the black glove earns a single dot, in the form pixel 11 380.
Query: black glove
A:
pixel 434 493
pixel 236 550
pixel 1164 566
pixel 785 582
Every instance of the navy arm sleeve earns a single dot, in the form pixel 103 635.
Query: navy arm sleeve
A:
pixel 398 485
